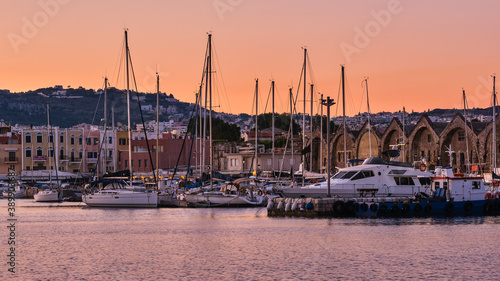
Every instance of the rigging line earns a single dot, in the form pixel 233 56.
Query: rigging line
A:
pixel 96 108
pixel 221 75
pixel 338 96
pixel 194 115
pixel 119 63
pixel 142 117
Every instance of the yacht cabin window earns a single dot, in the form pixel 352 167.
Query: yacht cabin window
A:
pixel 362 175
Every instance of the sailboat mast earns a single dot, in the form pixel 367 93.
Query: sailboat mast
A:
pixel 304 117
pixel 343 117
pixel 210 113
pixel 291 130
pixel 272 128
pixel 105 122
pixel 311 131
pixel 404 136
pixel 256 162
pixel 494 136
pixel 369 124
pixel 321 138
pixel 200 151
pixel 157 130
pixel 48 138
pixel 128 108
pixel 466 134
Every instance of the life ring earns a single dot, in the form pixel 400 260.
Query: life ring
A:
pixel 373 207
pixel 422 167
pixel 488 196
pixel 259 192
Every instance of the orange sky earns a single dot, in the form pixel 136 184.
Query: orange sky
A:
pixel 417 54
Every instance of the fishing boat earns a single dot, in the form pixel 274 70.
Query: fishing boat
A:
pixel 375 178
pixel 452 194
pixel 117 193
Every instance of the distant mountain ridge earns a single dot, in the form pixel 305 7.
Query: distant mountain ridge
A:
pixel 73 106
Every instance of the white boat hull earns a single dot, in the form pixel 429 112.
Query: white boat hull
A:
pixel 122 199
pixel 47 196
pixel 225 200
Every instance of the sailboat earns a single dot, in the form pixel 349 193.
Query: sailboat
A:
pixel 229 194
pixel 118 193
pixel 52 194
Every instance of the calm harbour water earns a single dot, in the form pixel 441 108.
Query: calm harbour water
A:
pixel 244 244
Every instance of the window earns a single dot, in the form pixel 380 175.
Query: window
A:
pixel 145 163
pixel 110 140
pixel 122 141
pixel 404 181
pixel 363 174
pixel 476 185
pixel 140 163
pixel 51 152
pixel 72 140
pixel 12 167
pixel 28 168
pixel 39 151
pixel 72 155
pixel 61 138
pixel 80 139
pixel 461 136
pixel 132 163
pixel 12 156
pixel 27 138
pixel 80 154
pixel 126 163
pixel 39 138
pixel 110 153
pixel 429 138
pixel 28 152
pixel 88 141
pixel 61 153
pixel 90 154
pixel 95 154
pixel 51 138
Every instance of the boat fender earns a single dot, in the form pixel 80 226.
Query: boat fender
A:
pixel 406 208
pixel 428 209
pixel 488 196
pixel 487 208
pixel 364 207
pixel 287 206
pixel 468 206
pixel 338 207
pixel 383 208
pixel 422 167
pixel 449 208
pixel 294 206
pixel 270 205
pixel 497 195
pixel 280 205
pixel 260 192
pixel 418 208
pixel 309 206
pixel 373 207
pixel 303 206
pixel 395 210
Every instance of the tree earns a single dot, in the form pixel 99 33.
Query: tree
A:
pixel 221 130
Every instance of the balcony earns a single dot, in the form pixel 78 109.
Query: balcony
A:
pixel 74 159
pixel 39 158
pixel 11 160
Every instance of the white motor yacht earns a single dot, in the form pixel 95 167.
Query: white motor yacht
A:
pixel 48 195
pixel 375 177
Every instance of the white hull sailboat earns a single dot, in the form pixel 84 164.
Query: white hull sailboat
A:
pixel 117 193
pixel 48 195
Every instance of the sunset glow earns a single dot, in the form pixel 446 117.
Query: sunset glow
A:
pixel 417 54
